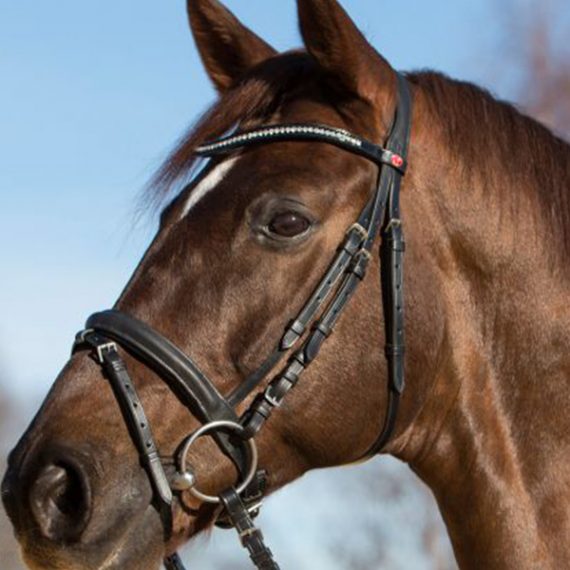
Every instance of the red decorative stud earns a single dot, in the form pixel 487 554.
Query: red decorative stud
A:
pixel 397 161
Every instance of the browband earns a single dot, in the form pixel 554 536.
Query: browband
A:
pixel 304 132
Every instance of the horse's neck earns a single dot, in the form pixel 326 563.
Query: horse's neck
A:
pixel 494 432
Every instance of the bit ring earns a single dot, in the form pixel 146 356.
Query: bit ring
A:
pixel 204 430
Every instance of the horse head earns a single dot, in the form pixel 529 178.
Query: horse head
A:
pixel 239 252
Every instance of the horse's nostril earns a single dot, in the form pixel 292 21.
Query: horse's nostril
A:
pixel 60 502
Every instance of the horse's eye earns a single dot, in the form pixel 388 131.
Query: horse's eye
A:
pixel 289 224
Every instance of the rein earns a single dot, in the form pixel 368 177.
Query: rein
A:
pixel 109 331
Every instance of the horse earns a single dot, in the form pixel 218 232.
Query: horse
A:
pixel 483 420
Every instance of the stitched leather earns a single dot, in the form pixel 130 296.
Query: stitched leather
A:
pixel 250 536
pixel 187 381
pixel 168 361
pixel 135 417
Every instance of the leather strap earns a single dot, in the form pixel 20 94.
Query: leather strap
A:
pixel 298 326
pixel 252 498
pixel 383 213
pixel 193 388
pixel 350 247
pixel 135 418
pixel 250 536
pixel 245 388
pixel 200 395
pixel 392 270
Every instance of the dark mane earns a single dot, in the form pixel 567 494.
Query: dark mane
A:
pixel 518 154
pixel 479 129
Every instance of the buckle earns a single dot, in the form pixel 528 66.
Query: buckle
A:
pixel 249 532
pixel 364 253
pixel 101 349
pixel 276 403
pixel 253 509
pixel 361 230
pixel 393 223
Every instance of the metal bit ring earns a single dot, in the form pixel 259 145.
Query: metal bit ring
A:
pixel 204 430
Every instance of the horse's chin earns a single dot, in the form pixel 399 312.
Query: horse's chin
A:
pixel 140 546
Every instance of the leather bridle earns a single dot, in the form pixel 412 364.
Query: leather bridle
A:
pixel 107 332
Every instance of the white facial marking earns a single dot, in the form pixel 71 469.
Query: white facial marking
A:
pixel 208 183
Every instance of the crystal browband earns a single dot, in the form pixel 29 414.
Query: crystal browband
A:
pixel 292 132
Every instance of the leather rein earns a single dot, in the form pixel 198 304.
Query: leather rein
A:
pixel 109 332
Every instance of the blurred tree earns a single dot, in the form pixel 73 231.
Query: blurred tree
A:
pixel 536 38
pixel 402 531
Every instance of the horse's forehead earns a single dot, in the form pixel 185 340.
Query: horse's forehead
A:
pixel 303 169
pixel 208 184
pixel 284 166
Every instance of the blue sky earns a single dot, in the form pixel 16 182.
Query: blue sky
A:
pixel 92 97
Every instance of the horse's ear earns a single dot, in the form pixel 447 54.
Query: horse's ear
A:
pixel 228 49
pixel 333 39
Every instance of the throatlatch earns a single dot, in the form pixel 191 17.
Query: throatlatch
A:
pixel 106 332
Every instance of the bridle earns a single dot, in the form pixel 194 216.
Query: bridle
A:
pixel 107 331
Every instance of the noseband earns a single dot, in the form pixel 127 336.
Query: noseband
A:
pixel 106 332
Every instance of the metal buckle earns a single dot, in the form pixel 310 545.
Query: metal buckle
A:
pixel 362 231
pixel 204 430
pixel 365 253
pixel 393 223
pixel 102 348
pixel 249 532
pixel 253 510
pixel 272 399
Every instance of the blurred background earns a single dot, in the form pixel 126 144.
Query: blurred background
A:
pixel 92 97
